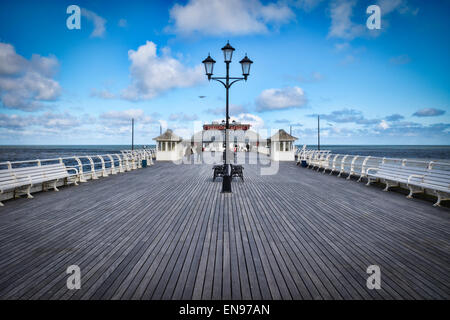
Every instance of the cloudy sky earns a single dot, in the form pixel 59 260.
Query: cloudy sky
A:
pixel 142 60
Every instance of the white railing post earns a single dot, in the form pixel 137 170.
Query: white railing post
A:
pixel 333 168
pixel 113 166
pixel 363 172
pixel 80 171
pixel 352 167
pixel 342 165
pixel 104 173
pixel 93 174
pixel 121 164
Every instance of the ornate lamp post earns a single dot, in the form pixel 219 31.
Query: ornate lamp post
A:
pixel 209 66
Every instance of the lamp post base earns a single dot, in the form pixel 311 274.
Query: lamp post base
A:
pixel 226 184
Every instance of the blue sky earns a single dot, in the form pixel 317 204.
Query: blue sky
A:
pixel 142 59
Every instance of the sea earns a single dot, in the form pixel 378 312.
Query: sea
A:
pixel 428 152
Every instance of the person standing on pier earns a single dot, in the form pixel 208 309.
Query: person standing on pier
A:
pixel 198 150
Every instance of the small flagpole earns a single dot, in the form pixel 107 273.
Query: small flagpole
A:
pixel 132 134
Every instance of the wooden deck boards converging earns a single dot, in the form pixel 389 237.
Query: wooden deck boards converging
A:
pixel 166 232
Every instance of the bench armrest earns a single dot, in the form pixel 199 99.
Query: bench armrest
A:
pixel 72 168
pixel 415 176
pixel 368 169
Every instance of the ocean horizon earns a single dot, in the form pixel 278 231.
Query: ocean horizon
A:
pixel 30 152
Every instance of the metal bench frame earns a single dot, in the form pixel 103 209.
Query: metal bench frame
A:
pixel 85 167
pixel 417 175
pixel 27 177
pixel 236 171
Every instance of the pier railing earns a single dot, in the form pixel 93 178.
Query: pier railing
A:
pixel 357 165
pixel 89 167
pixel 92 166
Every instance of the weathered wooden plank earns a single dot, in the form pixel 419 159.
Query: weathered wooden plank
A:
pixel 166 232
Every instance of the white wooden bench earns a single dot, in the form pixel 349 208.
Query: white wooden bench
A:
pixel 416 178
pixel 433 179
pixel 392 174
pixel 21 180
pixel 317 158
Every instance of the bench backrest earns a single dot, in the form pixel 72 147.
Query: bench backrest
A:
pixel 44 172
pixel 438 178
pixel 6 178
pixel 417 175
pixel 398 171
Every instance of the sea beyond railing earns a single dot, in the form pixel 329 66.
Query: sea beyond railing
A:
pixel 420 152
pixel 29 152
pixel 419 176
pixel 36 173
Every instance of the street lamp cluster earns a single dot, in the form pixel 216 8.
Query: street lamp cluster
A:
pixel 227 54
pixel 209 68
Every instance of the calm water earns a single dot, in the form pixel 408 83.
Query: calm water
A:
pixel 17 153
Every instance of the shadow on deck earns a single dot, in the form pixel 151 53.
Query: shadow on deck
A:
pixel 166 232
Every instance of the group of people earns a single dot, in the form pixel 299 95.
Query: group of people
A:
pixel 198 150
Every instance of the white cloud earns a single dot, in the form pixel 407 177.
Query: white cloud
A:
pixel 125 116
pixel 25 84
pixel 236 17
pixel 59 120
pixel 233 109
pixel 182 117
pixel 10 62
pixel 279 99
pixel 152 74
pixel 429 112
pixel 400 6
pixel 252 119
pixel 341 24
pixel 163 124
pixel 99 22
pixel 347 116
pixel 383 125
pixel 70 128
pixel 15 121
pixel 49 120
pixel 255 121
pixel 118 122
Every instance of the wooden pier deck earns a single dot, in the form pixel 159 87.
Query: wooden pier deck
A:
pixel 166 232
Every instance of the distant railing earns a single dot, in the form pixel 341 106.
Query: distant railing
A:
pixel 357 165
pixel 92 166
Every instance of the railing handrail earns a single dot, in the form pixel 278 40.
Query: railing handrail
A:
pixel 99 157
pixel 314 154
